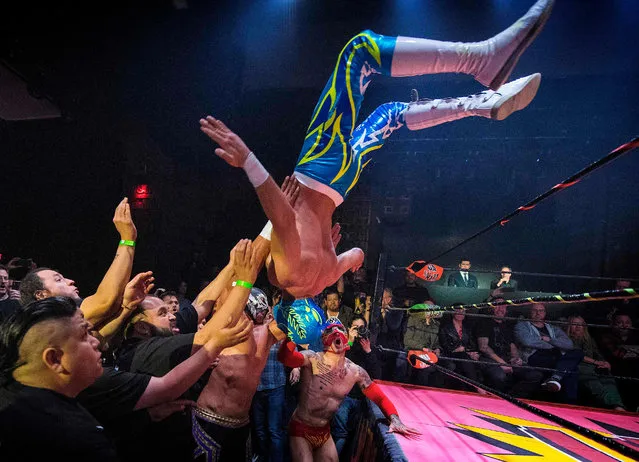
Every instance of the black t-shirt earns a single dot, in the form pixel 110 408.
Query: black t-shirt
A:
pixel 186 320
pixel 410 295
pixel 114 394
pixel 37 424
pixel 542 330
pixel 157 356
pixel 500 335
pixel 7 307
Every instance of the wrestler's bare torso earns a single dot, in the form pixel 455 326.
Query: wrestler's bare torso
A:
pixel 233 382
pixel 312 266
pixel 324 384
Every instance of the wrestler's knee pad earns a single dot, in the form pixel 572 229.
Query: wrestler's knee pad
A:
pixel 302 320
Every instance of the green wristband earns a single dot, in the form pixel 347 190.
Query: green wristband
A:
pixel 350 343
pixel 129 243
pixel 241 283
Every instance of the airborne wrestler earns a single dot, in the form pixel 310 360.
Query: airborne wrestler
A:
pixel 303 261
pixel 326 378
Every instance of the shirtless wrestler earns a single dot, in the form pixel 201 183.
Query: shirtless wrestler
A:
pixel 326 378
pixel 221 420
pixel 335 150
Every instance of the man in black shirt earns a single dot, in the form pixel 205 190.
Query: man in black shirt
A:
pixel 47 357
pixel 496 341
pixel 8 296
pixel 151 347
pixel 335 308
pixel 410 293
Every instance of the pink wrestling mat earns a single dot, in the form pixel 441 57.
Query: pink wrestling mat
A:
pixel 459 426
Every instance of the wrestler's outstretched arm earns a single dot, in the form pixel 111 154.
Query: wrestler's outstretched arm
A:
pixel 376 395
pixel 288 355
pixel 245 267
pixel 274 203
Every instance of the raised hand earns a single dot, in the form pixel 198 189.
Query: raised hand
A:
pixel 244 260
pixel 137 289
pixel 124 222
pixel 396 426
pixel 232 149
pixel 366 344
pixel 226 334
pixel 291 189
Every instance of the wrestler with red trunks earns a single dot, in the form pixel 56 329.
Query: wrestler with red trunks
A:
pixel 326 378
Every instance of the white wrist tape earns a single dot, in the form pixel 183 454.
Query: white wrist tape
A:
pixel 255 171
pixel 266 232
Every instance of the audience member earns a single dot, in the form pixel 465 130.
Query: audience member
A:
pixel 354 288
pixel 8 295
pixel 390 327
pixel 620 347
pixel 544 345
pixel 343 425
pixel 18 268
pixel 496 341
pixel 171 299
pixel 105 304
pixel 335 308
pixel 268 410
pixel 47 357
pixel 152 347
pixel 182 291
pixel 463 277
pixel 504 281
pixel 422 332
pixel 457 341
pixel 410 293
pixel 594 371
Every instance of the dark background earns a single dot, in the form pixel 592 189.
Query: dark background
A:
pixel 133 78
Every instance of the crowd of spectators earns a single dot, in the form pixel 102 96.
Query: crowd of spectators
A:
pixel 528 356
pixel 144 340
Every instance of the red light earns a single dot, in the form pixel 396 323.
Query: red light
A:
pixel 142 191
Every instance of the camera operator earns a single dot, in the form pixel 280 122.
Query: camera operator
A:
pixel 361 353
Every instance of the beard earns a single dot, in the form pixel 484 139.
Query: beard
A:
pixel 161 332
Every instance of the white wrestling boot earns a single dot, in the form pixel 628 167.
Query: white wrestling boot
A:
pixel 496 105
pixel 490 61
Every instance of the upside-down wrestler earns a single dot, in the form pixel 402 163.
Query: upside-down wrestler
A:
pixel 303 260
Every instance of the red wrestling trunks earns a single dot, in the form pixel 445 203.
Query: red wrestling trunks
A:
pixel 316 436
